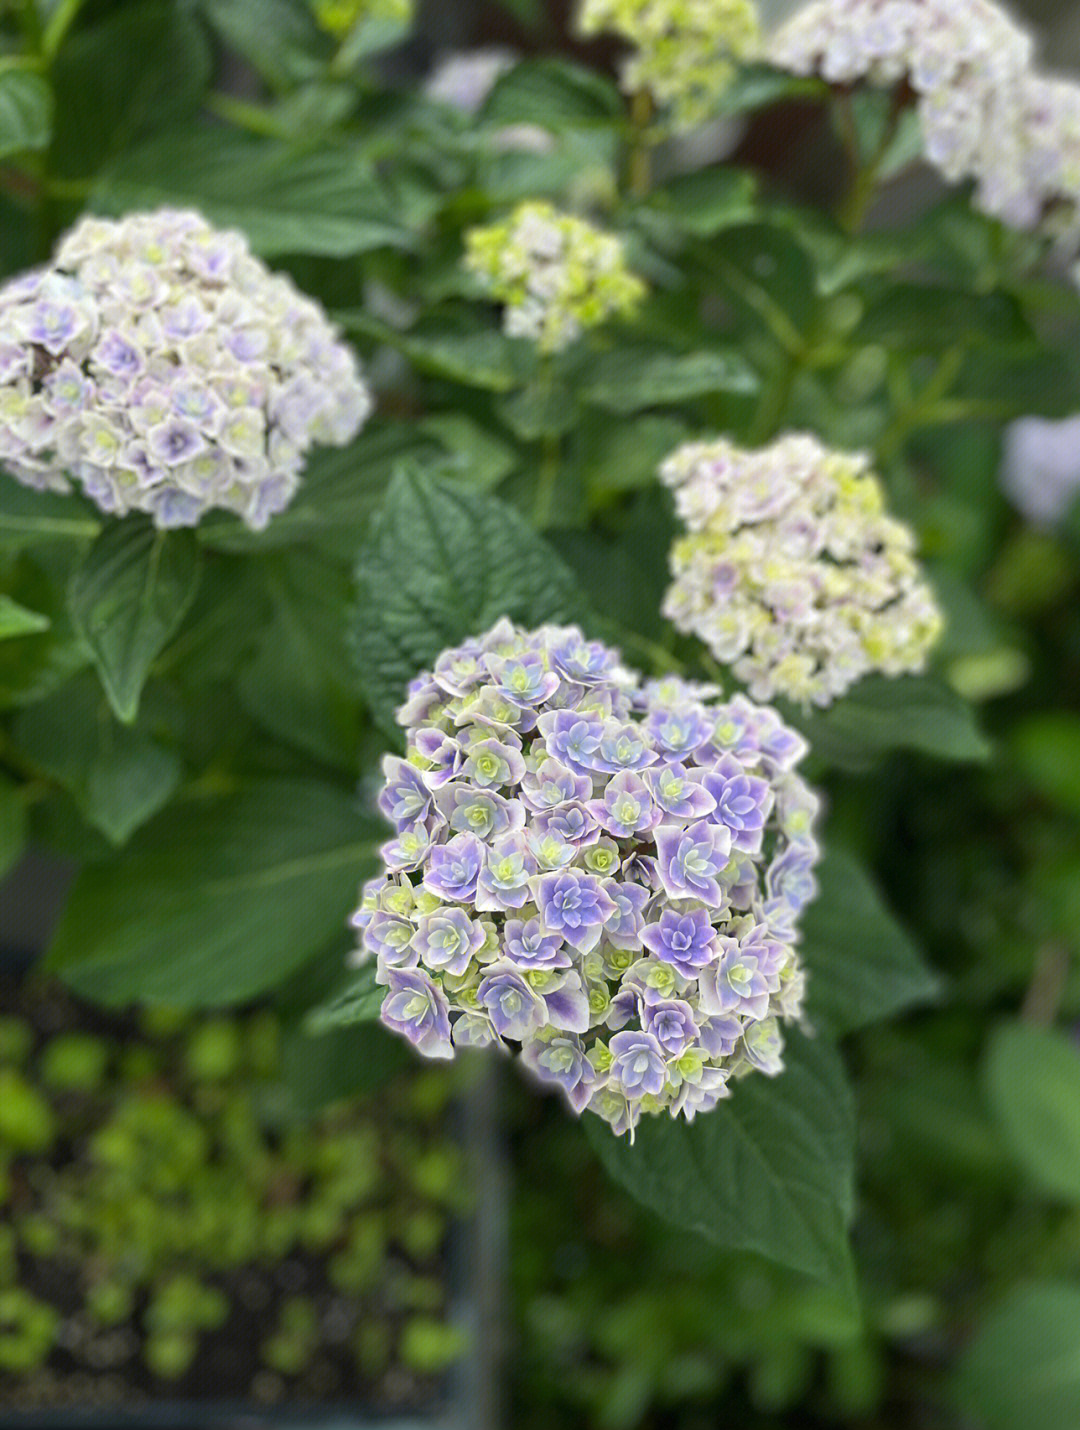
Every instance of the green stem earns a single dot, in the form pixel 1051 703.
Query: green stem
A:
pixel 768 418
pixel 639 160
pixel 60 22
pixel 546 481
pixel 30 24
pixel 661 657
pixel 550 455
pixel 863 184
pixel 929 401
pixel 853 210
pixel 252 117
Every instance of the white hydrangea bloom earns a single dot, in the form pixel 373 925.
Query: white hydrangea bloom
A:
pixel 965 60
pixel 685 50
pixel 557 275
pixel 792 572
pixel 1040 469
pixel 164 369
pixel 464 79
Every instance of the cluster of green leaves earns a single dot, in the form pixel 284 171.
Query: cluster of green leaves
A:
pixel 186 1179
pixel 189 716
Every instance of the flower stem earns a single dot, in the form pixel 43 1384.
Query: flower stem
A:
pixel 639 163
pixel 550 454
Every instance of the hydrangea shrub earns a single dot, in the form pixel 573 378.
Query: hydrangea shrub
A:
pixel 607 873
pixel 600 873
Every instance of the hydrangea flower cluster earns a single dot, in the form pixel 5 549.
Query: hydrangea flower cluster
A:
pixel 1040 467
pixel 161 366
pixel 557 275
pixel 792 572
pixel 465 78
pixel 605 874
pixel 964 60
pixel 685 50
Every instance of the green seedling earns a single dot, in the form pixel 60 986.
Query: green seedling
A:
pixel 214 1050
pixel 27 1329
pixel 110 1303
pixel 27 1123
pixel 75 1062
pixel 290 1349
pixel 430 1346
pixel 16 1040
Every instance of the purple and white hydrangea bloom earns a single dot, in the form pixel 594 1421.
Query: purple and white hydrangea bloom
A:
pixel 162 368
pixel 607 880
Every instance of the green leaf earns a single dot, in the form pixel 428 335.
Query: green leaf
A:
pixel 485 359
pixel 1022 1369
pixel 16 620
pixel 769 277
pixel 327 201
pixel 28 517
pixel 542 409
pixel 925 317
pixel 218 900
pixel 1046 748
pixel 358 1002
pixel 278 38
pixel 1033 1083
pixel 296 683
pixel 769 1170
pixel 128 598
pixel 630 378
pixel 474 453
pixel 553 94
pixel 12 824
pixel 40 662
pixel 861 965
pixel 142 69
pixel 624 456
pixel 1005 384
pixel 445 563
pixel 880 714
pixel 757 86
pixel 26 109
pixel 703 203
pixel 118 776
pixel 338 1064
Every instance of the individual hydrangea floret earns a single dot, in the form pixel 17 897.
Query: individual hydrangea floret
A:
pixel 556 275
pixel 684 50
pixel 605 876
pixel 794 575
pixel 162 368
pixel 964 61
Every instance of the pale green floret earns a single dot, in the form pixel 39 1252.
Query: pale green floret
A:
pixel 602 858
